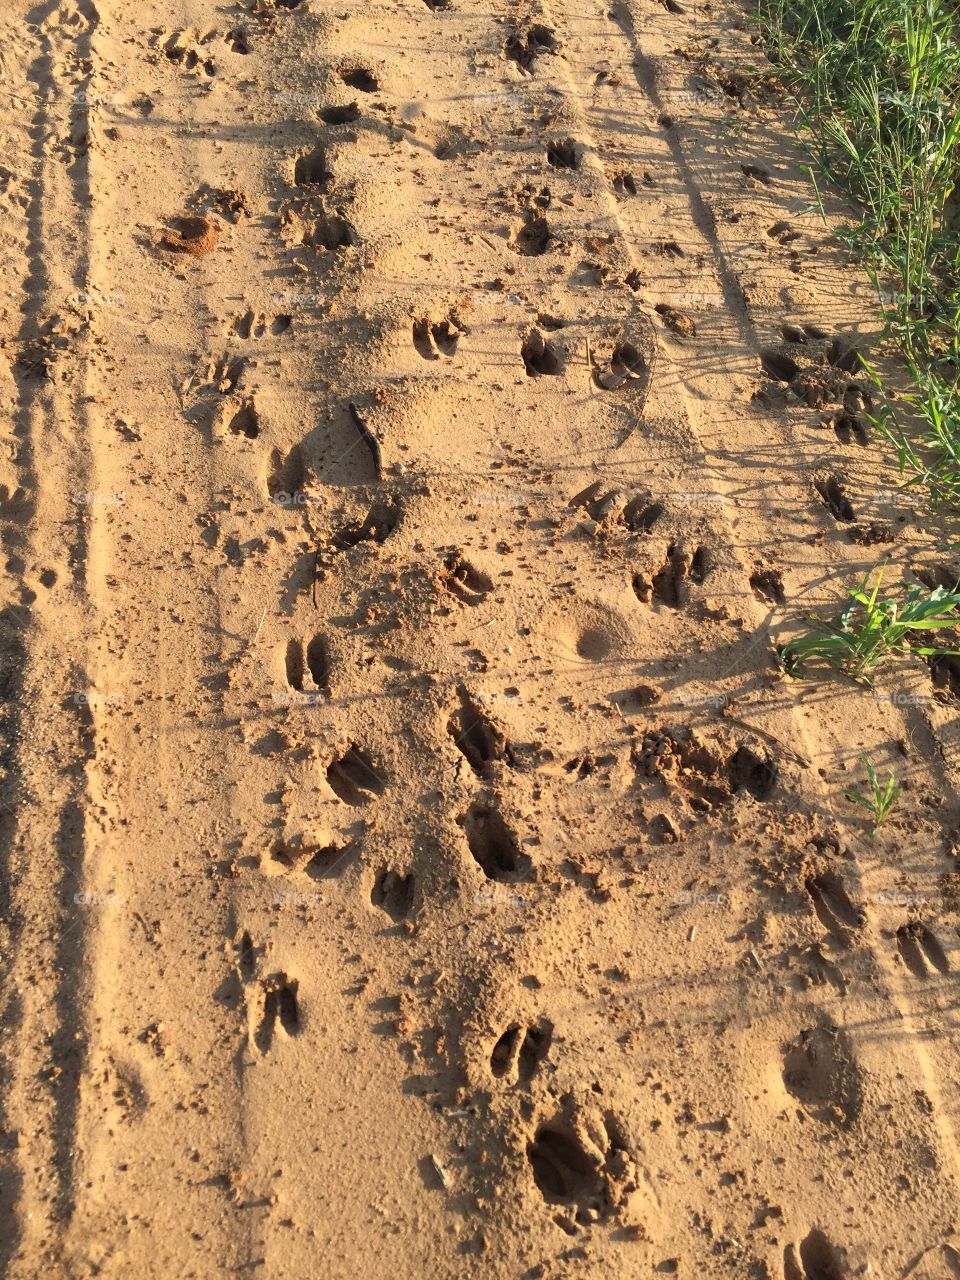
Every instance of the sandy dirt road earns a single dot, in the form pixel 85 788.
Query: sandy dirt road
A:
pixel 420 422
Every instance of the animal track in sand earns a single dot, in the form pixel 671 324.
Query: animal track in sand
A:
pixel 247 957
pixel 245 421
pixel 237 41
pixel 851 428
pixel 520 1050
pixel 476 737
pixel 540 356
pixel 393 893
pixel 640 514
pixel 533 236
pixel 227 373
pixel 582 1162
pixel 679 322
pixel 834 908
pixel 813 366
pixel 597 501
pixel 627 365
pixel 493 845
pixel 311 169
pixel 767 584
pixel 667 587
pixel 783 233
pixel 190 50
pixel 271 1000
pixel 360 78
pixel 465 581
pixel 563 154
pixel 307 666
pixel 817 1259
pixel 777 365
pixel 452 141
pixel 381 520
pixel 920 949
pixel 524 46
pixel 336 115
pixel 590 634
pixel 307 855
pixel 280 1010
pixel 833 495
pixel 820 1072
pixel 594 645
pixel 256 324
pixel 758 172
pixel 328 231
pixel 353 777
pixel 435 339
pixel 709 773
pixel 287 476
pixel 945 675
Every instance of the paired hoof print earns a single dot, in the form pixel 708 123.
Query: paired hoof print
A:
pixel 464 581
pixel 381 520
pixel 540 356
pixel 433 340
pixel 256 324
pixel 311 169
pixel 280 1011
pixel 668 584
pixel 393 894
pixel 477 738
pixel 307 665
pixel 581 1163
pixel 245 421
pixel 819 1070
pixel 833 906
pixel 272 1005
pixel 628 366
pixel 767 585
pixel 563 154
pixel 305 854
pixel 354 778
pixel 816 1259
pixel 833 495
pixel 520 1050
pixel 288 477
pixel 920 950
pixel 493 846
pixel 533 236
pixel 525 46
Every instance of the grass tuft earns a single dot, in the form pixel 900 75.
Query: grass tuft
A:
pixel 877 87
pixel 871 629
pixel 880 797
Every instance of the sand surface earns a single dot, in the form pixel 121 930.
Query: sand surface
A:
pixel 420 422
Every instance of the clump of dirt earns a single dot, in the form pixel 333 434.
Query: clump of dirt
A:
pixel 192 234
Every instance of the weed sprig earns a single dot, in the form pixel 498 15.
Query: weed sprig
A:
pixel 876 84
pixel 870 629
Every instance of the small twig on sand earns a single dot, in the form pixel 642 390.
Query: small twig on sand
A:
pixel 256 634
